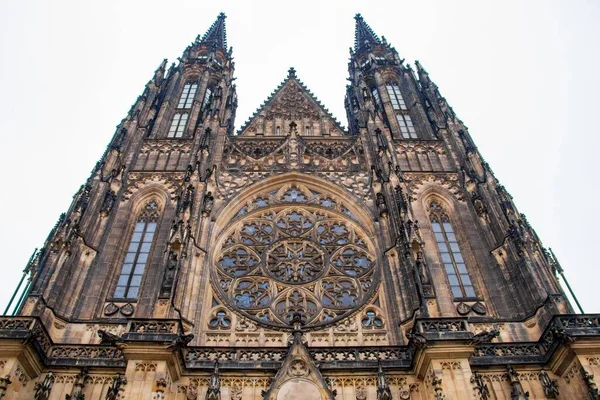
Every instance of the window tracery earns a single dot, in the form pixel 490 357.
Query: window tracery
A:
pixel 303 254
pixel 451 256
pixel 138 251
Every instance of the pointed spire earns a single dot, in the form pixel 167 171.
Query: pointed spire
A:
pixel 423 75
pixel 383 389
pixel 159 74
pixel 216 34
pixel 214 386
pixel 364 36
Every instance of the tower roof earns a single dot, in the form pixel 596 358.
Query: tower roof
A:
pixel 216 34
pixel 363 34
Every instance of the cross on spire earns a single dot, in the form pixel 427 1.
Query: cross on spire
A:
pixel 216 34
pixel 363 34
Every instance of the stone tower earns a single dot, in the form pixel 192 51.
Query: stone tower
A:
pixel 294 259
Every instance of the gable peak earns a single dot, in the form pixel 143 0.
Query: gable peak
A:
pixel 292 103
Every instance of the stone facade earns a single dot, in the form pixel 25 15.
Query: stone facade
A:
pixel 294 259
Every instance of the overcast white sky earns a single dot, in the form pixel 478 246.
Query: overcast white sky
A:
pixel 522 75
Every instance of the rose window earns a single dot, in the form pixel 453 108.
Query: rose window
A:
pixel 293 252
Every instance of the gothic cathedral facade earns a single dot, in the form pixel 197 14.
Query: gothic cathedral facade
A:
pixel 294 258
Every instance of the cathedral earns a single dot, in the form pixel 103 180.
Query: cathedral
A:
pixel 294 258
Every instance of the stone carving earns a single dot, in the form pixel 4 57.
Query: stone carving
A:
pixel 108 338
pixel 295 258
pixel 361 393
pixel 516 391
pixel 449 181
pixel 480 386
pixel 42 390
pixel 214 386
pixel 4 383
pixel 588 379
pixel 116 387
pixel 485 336
pixel 550 385
pixel 153 326
pixel 85 352
pixel 136 180
pixel 77 392
pixel 298 368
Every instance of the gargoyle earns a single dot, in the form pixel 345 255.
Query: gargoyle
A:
pixel 485 336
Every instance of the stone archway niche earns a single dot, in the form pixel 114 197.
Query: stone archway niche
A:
pixel 299 389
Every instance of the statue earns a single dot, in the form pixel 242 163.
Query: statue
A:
pixel 207 204
pixel 113 391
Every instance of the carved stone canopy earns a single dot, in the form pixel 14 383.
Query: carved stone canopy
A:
pixel 299 378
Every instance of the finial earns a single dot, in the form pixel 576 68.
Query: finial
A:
pixel 358 17
pixel 292 72
pixel 222 15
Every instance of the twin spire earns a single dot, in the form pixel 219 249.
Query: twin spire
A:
pixel 364 36
pixel 216 35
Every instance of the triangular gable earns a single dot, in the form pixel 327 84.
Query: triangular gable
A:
pixel 299 377
pixel 291 102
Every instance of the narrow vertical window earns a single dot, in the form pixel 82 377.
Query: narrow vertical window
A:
pixel 395 96
pixel 407 129
pixel 376 96
pixel 278 131
pixel 307 130
pixel 207 95
pixel 130 279
pixel 452 258
pixel 178 125
pixel 187 95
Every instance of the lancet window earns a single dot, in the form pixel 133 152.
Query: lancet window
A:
pixel 396 98
pixel 187 95
pixel 178 125
pixel 376 96
pixel 407 129
pixel 206 99
pixel 138 253
pixel 450 253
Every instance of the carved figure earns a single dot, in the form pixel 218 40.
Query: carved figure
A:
pixel 109 338
pixel 485 336
pixel 116 387
pixel 207 204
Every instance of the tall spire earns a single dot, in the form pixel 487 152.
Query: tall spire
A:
pixel 363 34
pixel 216 34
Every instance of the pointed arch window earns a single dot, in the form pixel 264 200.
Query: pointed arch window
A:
pixel 138 253
pixel 451 256
pixel 178 125
pixel 187 95
pixel 407 129
pixel 376 96
pixel 396 98
pixel 207 95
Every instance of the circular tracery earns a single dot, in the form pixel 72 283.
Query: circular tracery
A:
pixel 295 261
pixel 293 258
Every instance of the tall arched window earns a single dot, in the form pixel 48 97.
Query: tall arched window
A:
pixel 187 95
pixel 138 253
pixel 178 125
pixel 396 98
pixel 450 253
